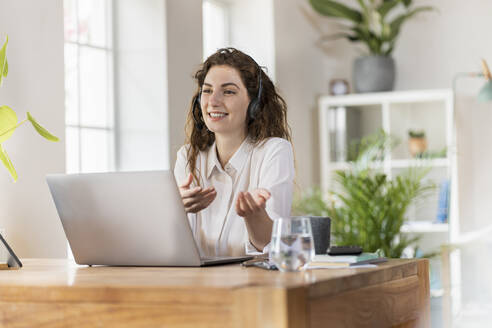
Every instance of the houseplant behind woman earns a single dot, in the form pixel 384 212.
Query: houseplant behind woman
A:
pixel 374 26
pixel 236 170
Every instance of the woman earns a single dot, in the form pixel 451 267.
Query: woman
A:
pixel 236 171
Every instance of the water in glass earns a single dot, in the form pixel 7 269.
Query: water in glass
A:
pixel 292 243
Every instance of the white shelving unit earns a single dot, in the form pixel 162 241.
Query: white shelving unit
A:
pixel 396 113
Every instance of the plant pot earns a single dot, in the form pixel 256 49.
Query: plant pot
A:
pixel 374 74
pixel 417 146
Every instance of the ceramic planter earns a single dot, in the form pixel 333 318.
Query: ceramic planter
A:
pixel 373 74
pixel 417 146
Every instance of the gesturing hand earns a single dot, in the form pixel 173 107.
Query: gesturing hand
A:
pixel 195 199
pixel 252 204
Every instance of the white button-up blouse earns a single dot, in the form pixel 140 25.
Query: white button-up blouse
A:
pixel 218 229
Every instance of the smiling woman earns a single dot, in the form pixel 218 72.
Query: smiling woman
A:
pixel 236 171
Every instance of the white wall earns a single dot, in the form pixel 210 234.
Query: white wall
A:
pixel 35 84
pixel 252 31
pixel 140 100
pixel 299 76
pixel 184 55
pixel 159 47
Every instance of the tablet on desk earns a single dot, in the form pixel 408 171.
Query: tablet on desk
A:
pixel 7 255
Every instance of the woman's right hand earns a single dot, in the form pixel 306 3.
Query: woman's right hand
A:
pixel 195 199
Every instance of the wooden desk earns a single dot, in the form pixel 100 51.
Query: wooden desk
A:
pixel 58 293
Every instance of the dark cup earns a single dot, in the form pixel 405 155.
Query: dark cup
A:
pixel 320 225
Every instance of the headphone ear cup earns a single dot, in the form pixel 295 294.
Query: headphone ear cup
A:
pixel 196 110
pixel 253 109
pixel 254 105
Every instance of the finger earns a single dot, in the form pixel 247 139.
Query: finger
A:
pixel 239 208
pixel 187 193
pixel 198 207
pixel 260 201
pixel 198 198
pixel 206 197
pixel 207 192
pixel 264 193
pixel 193 209
pixel 188 202
pixel 196 195
pixel 239 211
pixel 187 182
pixel 263 202
pixel 203 201
pixel 208 189
pixel 251 202
pixel 208 200
pixel 245 205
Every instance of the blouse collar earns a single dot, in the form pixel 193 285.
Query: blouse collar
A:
pixel 237 160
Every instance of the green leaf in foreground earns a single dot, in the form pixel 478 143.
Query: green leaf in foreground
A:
pixel 8 164
pixel 3 61
pixel 42 131
pixel 6 68
pixel 8 122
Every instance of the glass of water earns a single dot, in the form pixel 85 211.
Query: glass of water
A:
pixel 292 245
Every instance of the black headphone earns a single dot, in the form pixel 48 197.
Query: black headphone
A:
pixel 253 107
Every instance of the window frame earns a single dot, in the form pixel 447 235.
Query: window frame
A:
pixel 110 127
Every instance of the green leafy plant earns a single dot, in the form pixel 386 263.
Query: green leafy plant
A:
pixel 416 133
pixel 9 121
pixel 372 23
pixel 368 208
pixel 431 154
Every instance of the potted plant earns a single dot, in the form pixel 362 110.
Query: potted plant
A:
pixel 373 24
pixel 417 143
pixel 367 207
pixel 9 121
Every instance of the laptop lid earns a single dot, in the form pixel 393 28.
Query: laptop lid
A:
pixel 124 218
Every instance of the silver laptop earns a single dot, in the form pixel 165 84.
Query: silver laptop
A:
pixel 127 219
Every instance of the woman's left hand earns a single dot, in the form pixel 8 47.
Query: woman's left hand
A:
pixel 252 204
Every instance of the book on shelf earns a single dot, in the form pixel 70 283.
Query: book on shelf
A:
pixel 443 202
pixel 343 261
pixel 338 138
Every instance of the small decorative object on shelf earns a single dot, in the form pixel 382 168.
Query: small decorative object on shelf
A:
pixel 339 87
pixel 417 144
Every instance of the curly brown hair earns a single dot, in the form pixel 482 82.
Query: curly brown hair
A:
pixel 270 119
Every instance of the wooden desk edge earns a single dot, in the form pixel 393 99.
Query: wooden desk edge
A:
pixel 248 306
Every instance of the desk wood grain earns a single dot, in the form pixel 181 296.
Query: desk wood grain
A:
pixel 58 293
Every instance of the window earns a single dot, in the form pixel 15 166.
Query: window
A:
pixel 89 86
pixel 215 26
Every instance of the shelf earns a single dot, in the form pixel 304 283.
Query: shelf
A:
pixel 346 119
pixel 413 96
pixel 435 162
pixel 424 226
pixel 346 165
pixel 396 164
